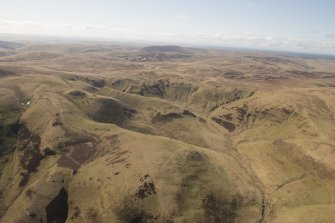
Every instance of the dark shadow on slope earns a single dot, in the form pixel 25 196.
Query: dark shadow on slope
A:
pixel 57 209
pixel 228 125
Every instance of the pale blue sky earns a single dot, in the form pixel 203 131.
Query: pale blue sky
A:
pixel 303 25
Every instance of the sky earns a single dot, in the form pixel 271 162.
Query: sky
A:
pixel 294 25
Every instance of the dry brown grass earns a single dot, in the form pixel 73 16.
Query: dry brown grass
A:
pixel 194 135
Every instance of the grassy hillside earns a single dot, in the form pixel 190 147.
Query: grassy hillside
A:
pixel 96 133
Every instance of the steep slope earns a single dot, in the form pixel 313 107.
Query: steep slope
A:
pixel 160 117
pixel 203 97
pixel 287 138
pixel 59 160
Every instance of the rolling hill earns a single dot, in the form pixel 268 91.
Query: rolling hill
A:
pixel 96 133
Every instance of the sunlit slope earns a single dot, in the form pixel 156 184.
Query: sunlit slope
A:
pixel 288 138
pixel 62 152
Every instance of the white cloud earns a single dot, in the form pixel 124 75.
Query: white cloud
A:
pixel 36 27
pixel 280 43
pixel 30 23
pixel 184 17
pixel 246 39
pixel 251 5
pixel 313 31
pixel 252 40
pixel 330 35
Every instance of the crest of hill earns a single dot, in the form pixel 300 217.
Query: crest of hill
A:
pixel 169 48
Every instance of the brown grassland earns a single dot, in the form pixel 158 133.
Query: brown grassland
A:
pixel 111 133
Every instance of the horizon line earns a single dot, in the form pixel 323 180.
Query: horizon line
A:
pixel 146 42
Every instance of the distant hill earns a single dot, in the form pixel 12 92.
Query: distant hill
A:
pixel 169 48
pixel 313 56
pixel 10 45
